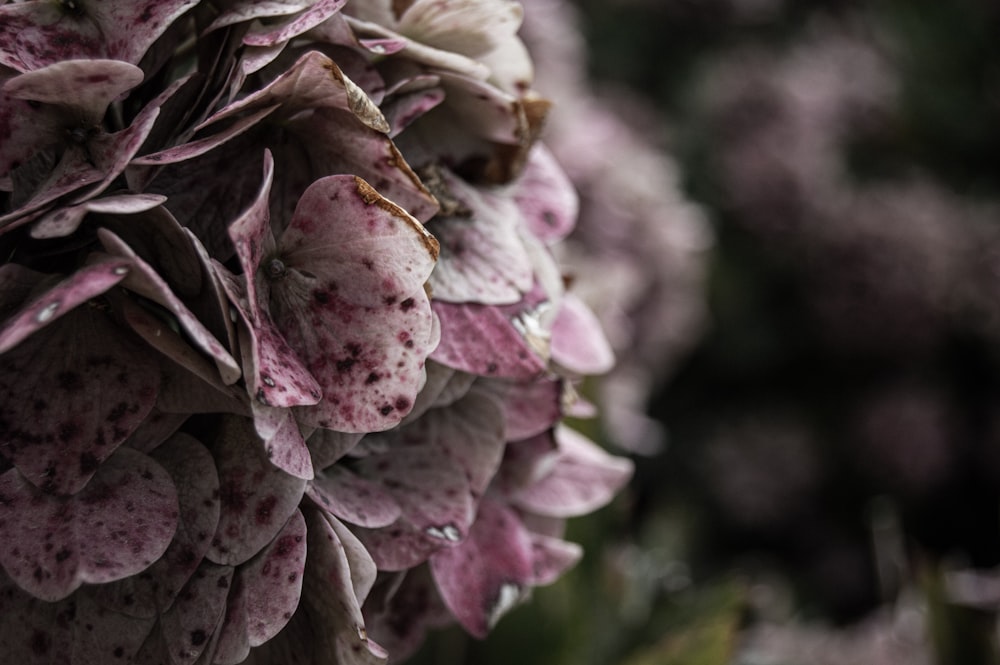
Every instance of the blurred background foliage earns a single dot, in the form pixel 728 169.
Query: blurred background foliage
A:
pixel 828 491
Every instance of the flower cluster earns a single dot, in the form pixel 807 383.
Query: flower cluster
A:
pixel 284 348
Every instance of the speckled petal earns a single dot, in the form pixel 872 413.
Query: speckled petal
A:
pixel 117 526
pixel 257 497
pixel 90 386
pixel 153 591
pixel 548 201
pixel 485 576
pixel 73 631
pixel 37 33
pixel 353 498
pixel 481 339
pixel 351 303
pixel 94 85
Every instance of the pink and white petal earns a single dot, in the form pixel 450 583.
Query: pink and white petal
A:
pixel 483 577
pixel 547 199
pixel 525 462
pixel 92 385
pixel 347 234
pixel 86 283
pixel 470 432
pixel 469 27
pixel 431 488
pixel 482 257
pixel 36 34
pixel 551 557
pixel 578 341
pixel 257 497
pixel 482 340
pixel 367 361
pixel 352 498
pixel 401 110
pixel 115 527
pixel 582 479
pixel 94 84
pixel 274 374
pixel 511 67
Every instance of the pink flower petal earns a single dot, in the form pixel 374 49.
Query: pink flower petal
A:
pixel 348 297
pixel 582 479
pixel 578 341
pixel 483 577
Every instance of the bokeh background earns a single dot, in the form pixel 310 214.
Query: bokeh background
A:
pixel 790 228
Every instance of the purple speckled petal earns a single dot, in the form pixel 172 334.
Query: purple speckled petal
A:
pixel 402 110
pixel 152 592
pixel 402 608
pixel 481 339
pixel 582 478
pixel 483 577
pixel 482 257
pixel 275 375
pixel 191 622
pixel 353 498
pixel 348 296
pixel 191 466
pixel 546 197
pixel 75 631
pixel 36 33
pixel 117 526
pixel 94 85
pixel 90 384
pixel 86 283
pixel 578 341
pixel 273 581
pixel 308 18
pixel 257 497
